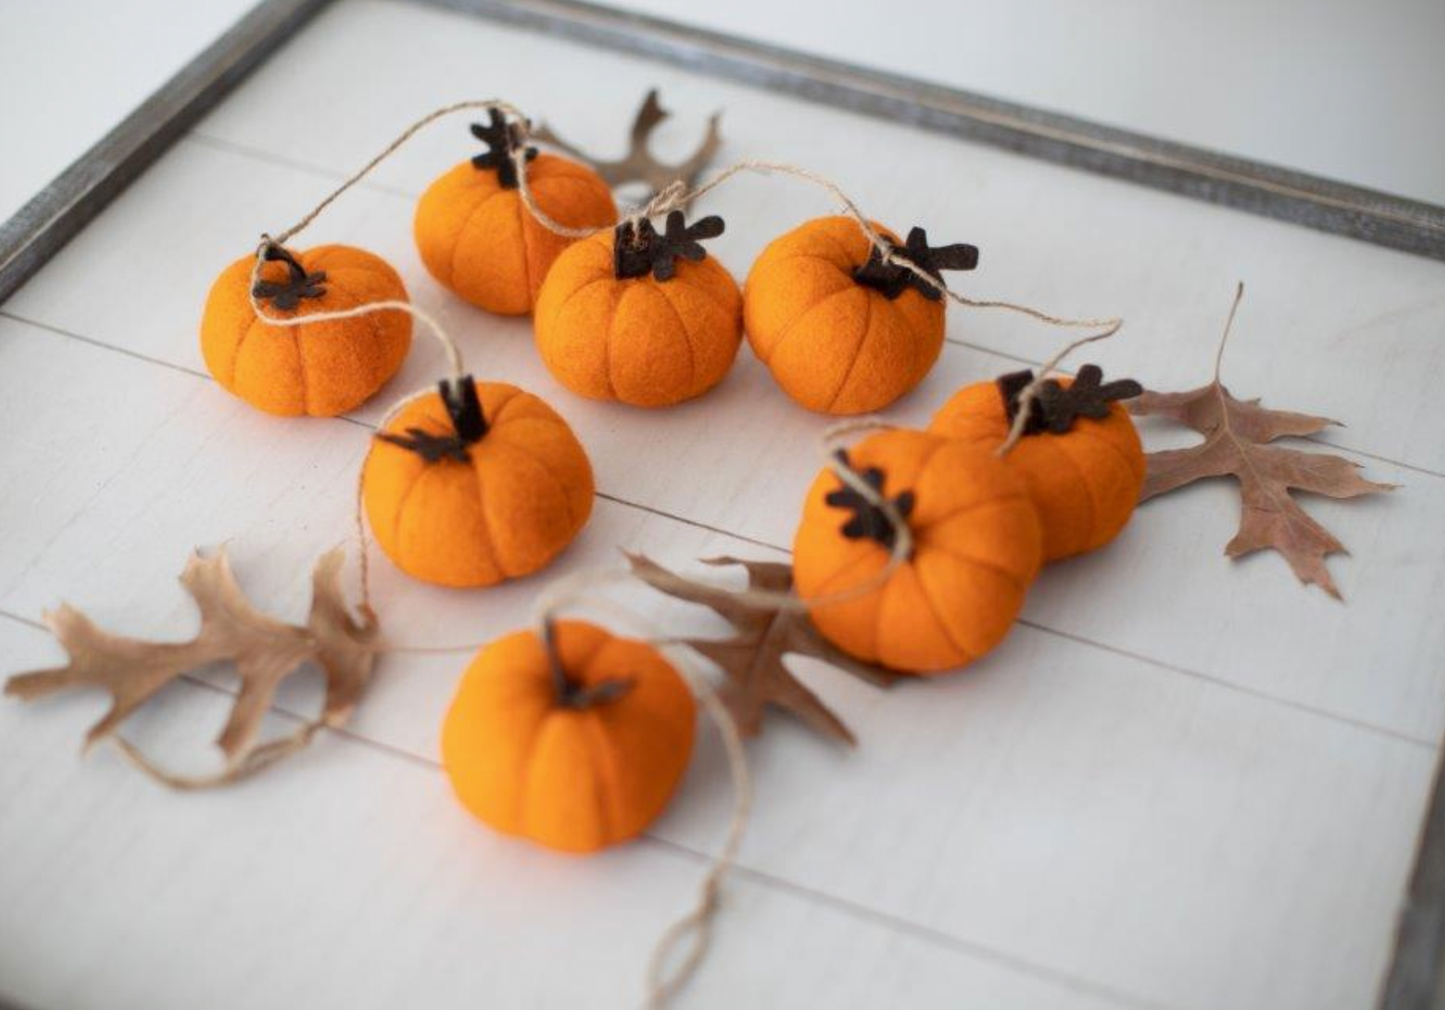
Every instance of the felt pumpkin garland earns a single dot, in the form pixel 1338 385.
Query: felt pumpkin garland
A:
pixel 575 739
pixel 478 239
pixel 640 317
pixel 842 329
pixel 476 483
pixel 976 547
pixel 1079 455
pixel 322 367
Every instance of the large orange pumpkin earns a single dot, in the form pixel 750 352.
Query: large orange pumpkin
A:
pixel 577 746
pixel 478 239
pixel 476 484
pixel 323 368
pixel 1079 457
pixel 643 318
pixel 976 549
pixel 842 331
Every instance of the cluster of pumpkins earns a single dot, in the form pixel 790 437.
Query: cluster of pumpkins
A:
pixel 577 741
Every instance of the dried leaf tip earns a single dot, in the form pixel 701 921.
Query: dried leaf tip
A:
pixel 639 165
pixel 469 425
pixel 894 278
pixel 638 249
pixel 1056 407
pixel 503 140
pixel 299 283
pixel 263 650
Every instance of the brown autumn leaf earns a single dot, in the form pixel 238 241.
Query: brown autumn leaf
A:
pixel 753 658
pixel 639 165
pixel 263 650
pixel 1237 436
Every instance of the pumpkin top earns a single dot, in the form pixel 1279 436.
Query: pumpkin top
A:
pixel 502 139
pixel 1057 406
pixel 893 279
pixel 468 422
pixel 299 283
pixel 868 520
pixel 638 249
pixel 570 692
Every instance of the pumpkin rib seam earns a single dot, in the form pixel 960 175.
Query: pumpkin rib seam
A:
pixel 857 355
pixel 548 471
pixel 524 794
pixel 485 522
pixel 401 506
pixel 969 655
pixel 964 510
pixel 686 340
pixel 466 225
pixel 236 354
pixel 567 300
pixel 605 777
pixel 967 559
pixel 1097 435
pixel 796 324
pixel 1094 508
pixel 373 319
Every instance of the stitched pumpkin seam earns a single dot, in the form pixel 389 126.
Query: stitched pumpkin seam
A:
pixel 686 339
pixel 857 355
pixel 466 226
pixel 796 324
pixel 485 522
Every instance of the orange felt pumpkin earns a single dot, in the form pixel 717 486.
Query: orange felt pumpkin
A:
pixel 976 548
pixel 477 237
pixel 842 331
pixel 619 317
pixel 576 744
pixel 1079 457
pixel 321 369
pixel 478 484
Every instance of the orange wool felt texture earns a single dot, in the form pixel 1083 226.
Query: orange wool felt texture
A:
pixel 643 340
pixel 1084 482
pixel 323 368
pixel 976 549
pixel 575 769
pixel 478 239
pixel 472 513
pixel 834 342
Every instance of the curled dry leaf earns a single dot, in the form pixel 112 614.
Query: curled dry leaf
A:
pixel 639 165
pixel 1237 434
pixel 263 650
pixel 753 658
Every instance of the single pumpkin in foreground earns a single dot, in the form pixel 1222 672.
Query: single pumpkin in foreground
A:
pixel 842 330
pixel 576 743
pixel 477 237
pixel 323 368
pixel 477 483
pixel 976 549
pixel 645 318
pixel 1079 456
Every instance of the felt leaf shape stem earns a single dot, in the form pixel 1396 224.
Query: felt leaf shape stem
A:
pixel 637 247
pixel 501 138
pixel 893 279
pixel 1056 406
pixel 753 658
pixel 1237 434
pixel 639 165
pixel 263 650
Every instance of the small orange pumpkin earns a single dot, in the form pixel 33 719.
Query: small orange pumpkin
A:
pixel 577 743
pixel 475 484
pixel 1079 457
pixel 321 369
pixel 842 331
pixel 619 318
pixel 478 239
pixel 976 549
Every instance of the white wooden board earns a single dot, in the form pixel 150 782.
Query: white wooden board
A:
pixel 1182 782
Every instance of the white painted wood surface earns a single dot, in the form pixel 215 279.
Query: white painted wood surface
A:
pixel 1182 782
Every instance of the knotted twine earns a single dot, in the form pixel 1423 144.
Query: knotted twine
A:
pixel 662 983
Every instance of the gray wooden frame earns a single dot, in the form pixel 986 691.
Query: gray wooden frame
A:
pixel 55 215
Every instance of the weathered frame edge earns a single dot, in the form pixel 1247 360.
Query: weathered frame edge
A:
pixel 50 219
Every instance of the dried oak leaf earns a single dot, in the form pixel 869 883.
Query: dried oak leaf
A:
pixel 753 658
pixel 639 165
pixel 263 650
pixel 1237 434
